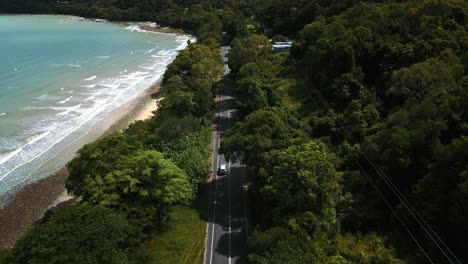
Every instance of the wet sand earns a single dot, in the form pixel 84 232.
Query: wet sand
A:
pixel 30 203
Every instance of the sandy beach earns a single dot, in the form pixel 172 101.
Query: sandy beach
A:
pixel 30 203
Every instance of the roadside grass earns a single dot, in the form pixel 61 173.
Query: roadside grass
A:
pixel 183 240
pixel 3 255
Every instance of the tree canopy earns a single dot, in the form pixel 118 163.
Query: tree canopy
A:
pixel 80 234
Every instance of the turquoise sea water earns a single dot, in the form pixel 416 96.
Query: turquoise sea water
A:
pixel 59 76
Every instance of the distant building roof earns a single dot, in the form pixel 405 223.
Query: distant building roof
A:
pixel 283 43
pixel 284 46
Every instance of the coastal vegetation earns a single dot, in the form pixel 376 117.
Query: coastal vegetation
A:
pixel 68 236
pixel 144 178
pixel 355 142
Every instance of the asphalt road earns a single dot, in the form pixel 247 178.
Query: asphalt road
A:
pixel 227 228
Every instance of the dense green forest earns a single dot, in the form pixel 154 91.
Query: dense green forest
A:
pixel 356 142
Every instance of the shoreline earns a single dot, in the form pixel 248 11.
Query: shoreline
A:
pixel 160 29
pixel 28 205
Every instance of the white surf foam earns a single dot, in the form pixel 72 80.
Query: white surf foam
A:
pixel 34 108
pixel 111 85
pixel 30 140
pixel 66 100
pixel 43 97
pixel 136 28
pixel 90 78
pixel 3 113
pixel 102 57
pixel 72 65
pixel 89 86
pixel 6 156
pixel 90 97
pixel 69 109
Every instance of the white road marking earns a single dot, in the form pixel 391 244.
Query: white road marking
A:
pixel 229 188
pixel 229 192
pixel 207 226
pixel 216 189
pixel 214 209
pixel 245 206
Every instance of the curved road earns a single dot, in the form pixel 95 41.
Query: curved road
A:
pixel 227 216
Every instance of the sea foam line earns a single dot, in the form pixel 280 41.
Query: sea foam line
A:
pixel 137 28
pixel 66 100
pixel 69 109
pixel 89 86
pixel 37 137
pixel 6 156
pixel 90 78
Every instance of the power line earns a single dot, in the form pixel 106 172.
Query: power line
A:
pixel 414 213
pixel 394 189
pixel 376 188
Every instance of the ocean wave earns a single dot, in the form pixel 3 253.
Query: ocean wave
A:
pixel 111 85
pixel 4 157
pixel 66 100
pixel 33 108
pixel 136 28
pixel 89 86
pixel 102 57
pixel 30 140
pixel 182 40
pixel 90 78
pixel 3 113
pixel 151 50
pixel 164 52
pixel 43 97
pixel 150 68
pixel 48 97
pixel 72 65
pixel 68 110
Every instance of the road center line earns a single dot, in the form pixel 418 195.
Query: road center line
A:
pixel 245 204
pixel 229 193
